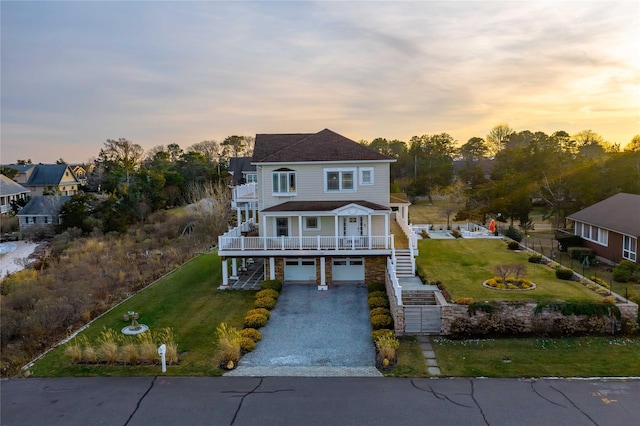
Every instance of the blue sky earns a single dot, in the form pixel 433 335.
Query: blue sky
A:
pixel 75 74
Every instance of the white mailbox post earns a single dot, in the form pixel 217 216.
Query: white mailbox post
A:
pixel 161 351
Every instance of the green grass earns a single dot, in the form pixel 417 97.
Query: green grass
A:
pixel 462 265
pixel 410 360
pixel 187 301
pixel 539 357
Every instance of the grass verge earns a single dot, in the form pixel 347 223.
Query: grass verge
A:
pixel 539 357
pixel 187 301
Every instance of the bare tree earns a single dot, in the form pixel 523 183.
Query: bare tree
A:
pixel 516 270
pixel 210 205
pixel 497 138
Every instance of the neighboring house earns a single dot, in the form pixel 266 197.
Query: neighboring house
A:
pixel 10 191
pixel 242 171
pixel 81 171
pixel 322 211
pixel 42 210
pixel 44 179
pixel 611 227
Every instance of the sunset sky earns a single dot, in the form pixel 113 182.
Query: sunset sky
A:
pixel 75 74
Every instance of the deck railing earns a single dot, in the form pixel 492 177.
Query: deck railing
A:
pixel 245 243
pixel 395 284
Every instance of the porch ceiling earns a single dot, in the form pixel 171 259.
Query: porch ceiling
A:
pixel 322 206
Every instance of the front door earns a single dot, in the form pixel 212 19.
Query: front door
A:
pixel 352 226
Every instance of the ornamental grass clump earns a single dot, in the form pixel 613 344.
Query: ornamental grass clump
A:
pixel 229 346
pixel 108 346
pixel 387 348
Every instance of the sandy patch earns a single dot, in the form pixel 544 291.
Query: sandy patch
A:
pixel 11 252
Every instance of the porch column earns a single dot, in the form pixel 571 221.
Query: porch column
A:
pixel 246 212
pixel 300 230
pixel 323 276
pixel 244 264
pixel 336 231
pixel 239 215
pixel 386 230
pixel 234 269
pixel 369 229
pixel 225 272
pixel 272 268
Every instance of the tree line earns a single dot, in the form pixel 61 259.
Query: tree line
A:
pixel 504 174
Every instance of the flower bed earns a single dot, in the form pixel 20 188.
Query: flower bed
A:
pixel 509 284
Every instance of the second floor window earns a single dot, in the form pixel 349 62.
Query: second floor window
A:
pixel 252 177
pixel 340 180
pixel 284 182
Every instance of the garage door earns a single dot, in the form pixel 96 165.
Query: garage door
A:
pixel 348 269
pixel 300 270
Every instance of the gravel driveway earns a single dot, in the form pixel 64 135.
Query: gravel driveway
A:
pixel 312 328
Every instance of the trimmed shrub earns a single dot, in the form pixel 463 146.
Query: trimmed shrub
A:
pixel 265 302
pixel 377 294
pixel 268 292
pixel 247 344
pixel 381 321
pixel 255 321
pixel 463 300
pixel 259 311
pixel 379 311
pixel 579 253
pixel 378 302
pixel 513 245
pixel 564 273
pixel 251 333
pixel 271 284
pixel 486 307
pixel 376 334
pixel 536 258
pixel 565 241
pixel 600 281
pixel 461 328
pixel 624 271
pixel 376 286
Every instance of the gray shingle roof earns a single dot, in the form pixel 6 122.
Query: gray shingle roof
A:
pixel 302 147
pixel 43 205
pixel 619 213
pixel 10 187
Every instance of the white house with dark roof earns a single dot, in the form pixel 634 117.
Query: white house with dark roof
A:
pixel 611 227
pixel 10 191
pixel 323 212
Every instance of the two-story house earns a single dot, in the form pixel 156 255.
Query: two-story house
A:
pixel 323 211
pixel 46 179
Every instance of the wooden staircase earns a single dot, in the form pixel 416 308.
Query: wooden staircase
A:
pixel 403 264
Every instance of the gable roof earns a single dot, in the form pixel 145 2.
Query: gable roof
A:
pixel 10 187
pixel 320 206
pixel 619 213
pixel 303 147
pixel 42 174
pixel 237 165
pixel 43 205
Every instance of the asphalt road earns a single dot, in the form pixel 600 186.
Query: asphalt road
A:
pixel 317 401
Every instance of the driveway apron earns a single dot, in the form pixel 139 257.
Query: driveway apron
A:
pixel 309 328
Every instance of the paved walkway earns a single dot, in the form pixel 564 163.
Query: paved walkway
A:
pixel 315 334
pixel 429 355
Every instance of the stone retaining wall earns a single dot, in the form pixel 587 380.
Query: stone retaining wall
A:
pixel 397 311
pixel 521 316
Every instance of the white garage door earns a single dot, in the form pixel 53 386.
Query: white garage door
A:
pixel 300 270
pixel 348 269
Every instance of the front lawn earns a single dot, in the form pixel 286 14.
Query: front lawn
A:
pixel 462 265
pixel 186 300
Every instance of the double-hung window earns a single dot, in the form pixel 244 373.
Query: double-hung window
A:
pixel 366 175
pixel 311 223
pixel 284 182
pixel 342 179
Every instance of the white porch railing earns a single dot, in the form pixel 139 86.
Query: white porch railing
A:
pixel 397 288
pixel 233 240
pixel 413 240
pixel 244 193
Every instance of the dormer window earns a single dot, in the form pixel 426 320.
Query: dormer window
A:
pixel 284 182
